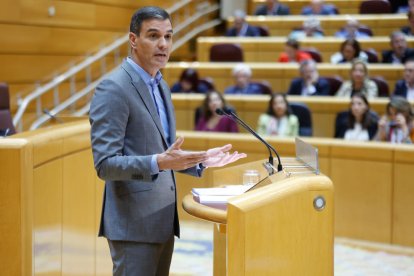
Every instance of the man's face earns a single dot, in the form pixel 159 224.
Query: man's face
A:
pixel 152 46
pixel 399 44
pixel 308 72
pixel 409 72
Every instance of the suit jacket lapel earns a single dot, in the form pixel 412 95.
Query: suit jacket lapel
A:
pixel 166 95
pixel 146 97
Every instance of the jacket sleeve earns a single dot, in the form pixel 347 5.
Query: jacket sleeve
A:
pixel 109 114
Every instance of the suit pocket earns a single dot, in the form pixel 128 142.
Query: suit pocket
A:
pixel 129 187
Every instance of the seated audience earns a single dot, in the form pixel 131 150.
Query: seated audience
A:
pixel 399 52
pixel 311 28
pixel 293 53
pixel 210 120
pixel 350 50
pixel 359 82
pixel 359 123
pixel 401 6
pixel 272 7
pixel 242 74
pixel 409 30
pixel 241 27
pixel 309 84
pixel 278 120
pixel 189 83
pixel 397 125
pixel 405 87
pixel 350 31
pixel 317 7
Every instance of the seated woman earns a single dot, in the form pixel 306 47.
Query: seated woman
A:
pixel 359 123
pixel 397 125
pixel 209 120
pixel 350 50
pixel 189 83
pixel 293 53
pixel 359 82
pixel 278 120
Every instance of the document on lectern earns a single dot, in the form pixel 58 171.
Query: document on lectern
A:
pixel 217 197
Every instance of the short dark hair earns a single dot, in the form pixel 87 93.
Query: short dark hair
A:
pixel 293 43
pixel 146 13
pixel 354 44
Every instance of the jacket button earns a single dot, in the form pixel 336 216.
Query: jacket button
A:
pixel 172 188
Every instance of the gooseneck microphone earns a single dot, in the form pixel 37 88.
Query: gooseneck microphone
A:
pixel 230 114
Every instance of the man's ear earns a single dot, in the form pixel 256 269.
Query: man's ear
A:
pixel 132 39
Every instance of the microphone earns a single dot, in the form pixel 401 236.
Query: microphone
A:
pixel 47 112
pixel 230 114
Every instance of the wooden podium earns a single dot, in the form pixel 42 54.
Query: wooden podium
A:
pixel 283 226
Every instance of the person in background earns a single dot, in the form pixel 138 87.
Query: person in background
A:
pixel 311 28
pixel 293 53
pixel 272 7
pixel 399 52
pixel 309 84
pixel 409 30
pixel 278 120
pixel 359 82
pixel 317 7
pixel 189 83
pixel 359 123
pixel 350 31
pixel 242 74
pixel 401 6
pixel 241 27
pixel 350 50
pixel 397 125
pixel 405 87
pixel 210 120
pixel 136 153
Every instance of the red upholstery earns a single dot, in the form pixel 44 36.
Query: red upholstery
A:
pixel 375 7
pixel 226 52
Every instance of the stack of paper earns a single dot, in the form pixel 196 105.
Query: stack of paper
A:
pixel 217 197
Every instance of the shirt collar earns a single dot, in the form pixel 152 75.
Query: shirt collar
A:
pixel 147 78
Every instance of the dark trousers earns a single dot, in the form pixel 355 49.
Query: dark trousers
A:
pixel 141 259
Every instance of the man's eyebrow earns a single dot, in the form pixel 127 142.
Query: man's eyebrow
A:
pixel 157 30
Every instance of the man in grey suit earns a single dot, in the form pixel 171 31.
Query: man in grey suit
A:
pixel 136 153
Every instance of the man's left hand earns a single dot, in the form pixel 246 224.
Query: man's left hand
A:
pixel 218 157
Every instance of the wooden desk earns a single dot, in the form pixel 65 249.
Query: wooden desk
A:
pixel 380 24
pixel 249 108
pixel 295 7
pixel 268 49
pixel 279 75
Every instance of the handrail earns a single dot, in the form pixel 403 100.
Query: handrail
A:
pixel 85 91
pixel 55 82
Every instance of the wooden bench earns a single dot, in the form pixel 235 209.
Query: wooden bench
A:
pixel 268 49
pixel 295 7
pixel 279 75
pixel 380 24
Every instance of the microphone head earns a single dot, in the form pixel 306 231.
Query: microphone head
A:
pixel 227 110
pixel 220 111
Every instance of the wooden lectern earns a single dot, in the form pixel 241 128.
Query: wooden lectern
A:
pixel 283 226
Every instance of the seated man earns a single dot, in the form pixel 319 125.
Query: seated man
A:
pixel 272 7
pixel 399 52
pixel 311 28
pixel 309 84
pixel 350 31
pixel 405 87
pixel 317 7
pixel 241 28
pixel 242 75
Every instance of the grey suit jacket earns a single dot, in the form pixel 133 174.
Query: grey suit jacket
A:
pixel 125 132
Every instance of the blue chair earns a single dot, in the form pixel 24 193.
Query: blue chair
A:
pixel 305 118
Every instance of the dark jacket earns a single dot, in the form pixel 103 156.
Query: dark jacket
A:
pixel 251 31
pixel 341 124
pixel 322 87
pixel 400 89
pixel 280 10
pixel 387 55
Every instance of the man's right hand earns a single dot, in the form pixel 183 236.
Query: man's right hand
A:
pixel 176 159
